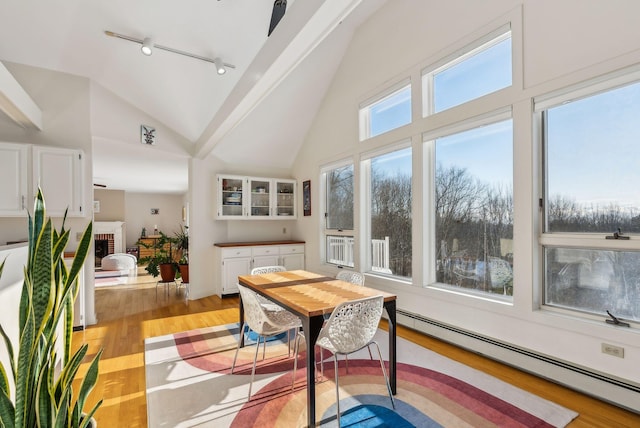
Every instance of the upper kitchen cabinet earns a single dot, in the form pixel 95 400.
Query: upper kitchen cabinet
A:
pixel 245 198
pixel 14 173
pixel 59 172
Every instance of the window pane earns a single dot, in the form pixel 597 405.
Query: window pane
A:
pixel 340 250
pixel 474 209
pixel 592 154
pixel 486 71
pixel 340 198
pixel 594 281
pixel 391 213
pixel 389 113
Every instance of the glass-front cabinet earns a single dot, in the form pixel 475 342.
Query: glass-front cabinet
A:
pixel 260 197
pixel 231 196
pixel 285 198
pixel 241 197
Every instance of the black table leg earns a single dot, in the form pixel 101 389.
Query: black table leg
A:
pixel 311 327
pixel 241 321
pixel 390 306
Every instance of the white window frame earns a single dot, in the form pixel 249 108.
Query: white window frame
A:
pixel 491 39
pixel 575 240
pixel 325 232
pixel 364 112
pixel 365 174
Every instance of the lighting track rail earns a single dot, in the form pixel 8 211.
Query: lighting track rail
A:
pixel 147 45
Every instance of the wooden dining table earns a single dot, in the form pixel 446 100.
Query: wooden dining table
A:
pixel 311 296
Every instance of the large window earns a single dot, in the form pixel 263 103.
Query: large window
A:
pixel 591 200
pixel 474 209
pixel 485 67
pixel 388 111
pixel 339 239
pixel 390 212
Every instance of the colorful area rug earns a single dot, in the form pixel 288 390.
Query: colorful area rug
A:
pixel 189 384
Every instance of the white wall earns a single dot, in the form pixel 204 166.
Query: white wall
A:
pixel 138 214
pixel 558 43
pixel 65 103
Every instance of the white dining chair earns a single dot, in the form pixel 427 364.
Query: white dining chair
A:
pixel 350 327
pixel 351 276
pixel 268 304
pixel 264 323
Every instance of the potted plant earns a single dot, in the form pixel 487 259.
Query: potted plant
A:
pixel 42 366
pixel 181 240
pixel 161 262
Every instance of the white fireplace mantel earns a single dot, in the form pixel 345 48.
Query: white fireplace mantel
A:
pixel 113 227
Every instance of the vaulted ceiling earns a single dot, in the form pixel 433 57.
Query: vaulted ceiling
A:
pixel 264 106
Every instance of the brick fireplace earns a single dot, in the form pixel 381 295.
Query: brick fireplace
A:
pixel 108 239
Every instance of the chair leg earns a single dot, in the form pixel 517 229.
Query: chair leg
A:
pixel 335 365
pixel 384 372
pixel 238 348
pixel 296 348
pixel 253 369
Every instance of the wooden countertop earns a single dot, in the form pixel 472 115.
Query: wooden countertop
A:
pixel 256 243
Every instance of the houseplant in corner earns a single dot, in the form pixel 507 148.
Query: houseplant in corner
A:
pixel 181 240
pixel 161 262
pixel 43 369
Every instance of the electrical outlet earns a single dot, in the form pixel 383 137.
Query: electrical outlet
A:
pixel 78 236
pixel 284 230
pixel 616 351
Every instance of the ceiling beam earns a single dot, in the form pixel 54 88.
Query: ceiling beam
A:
pixel 305 26
pixel 16 103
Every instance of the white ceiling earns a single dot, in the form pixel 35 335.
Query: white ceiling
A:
pixel 264 105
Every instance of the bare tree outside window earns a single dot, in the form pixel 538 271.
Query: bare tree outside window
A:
pixel 339 215
pixel 391 213
pixel 474 210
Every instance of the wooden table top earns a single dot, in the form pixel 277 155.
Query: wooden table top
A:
pixel 307 293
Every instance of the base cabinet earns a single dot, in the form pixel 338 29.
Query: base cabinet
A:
pixel 240 260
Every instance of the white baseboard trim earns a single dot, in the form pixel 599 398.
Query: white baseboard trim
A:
pixel 619 392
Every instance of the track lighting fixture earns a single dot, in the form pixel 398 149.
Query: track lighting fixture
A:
pixel 219 66
pixel 147 47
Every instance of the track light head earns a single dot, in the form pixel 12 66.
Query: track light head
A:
pixel 220 68
pixel 147 46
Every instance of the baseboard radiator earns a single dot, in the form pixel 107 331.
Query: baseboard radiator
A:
pixel 616 391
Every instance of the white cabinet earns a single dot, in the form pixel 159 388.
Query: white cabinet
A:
pixel 14 174
pixel 235 262
pixel 245 198
pixel 267 255
pixel 292 257
pixel 239 260
pixel 58 171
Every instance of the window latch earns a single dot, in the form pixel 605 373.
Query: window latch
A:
pixel 616 321
pixel 617 235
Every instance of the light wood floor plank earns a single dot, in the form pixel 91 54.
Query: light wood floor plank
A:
pixel 127 314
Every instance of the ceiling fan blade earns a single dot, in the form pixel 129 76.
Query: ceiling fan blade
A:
pixel 279 8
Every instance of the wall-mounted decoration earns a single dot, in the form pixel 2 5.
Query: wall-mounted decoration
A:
pixel 155 211
pixel 96 206
pixel 306 197
pixel 147 135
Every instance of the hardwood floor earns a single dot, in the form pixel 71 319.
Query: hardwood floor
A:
pixel 127 314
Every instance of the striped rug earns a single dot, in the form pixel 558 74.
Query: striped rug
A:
pixel 189 384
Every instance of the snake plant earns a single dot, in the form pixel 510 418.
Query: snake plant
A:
pixel 40 392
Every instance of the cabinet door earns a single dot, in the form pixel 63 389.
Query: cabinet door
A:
pixel 260 261
pixel 231 269
pixel 231 197
pixel 13 179
pixel 59 172
pixel 260 197
pixel 285 199
pixel 293 261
